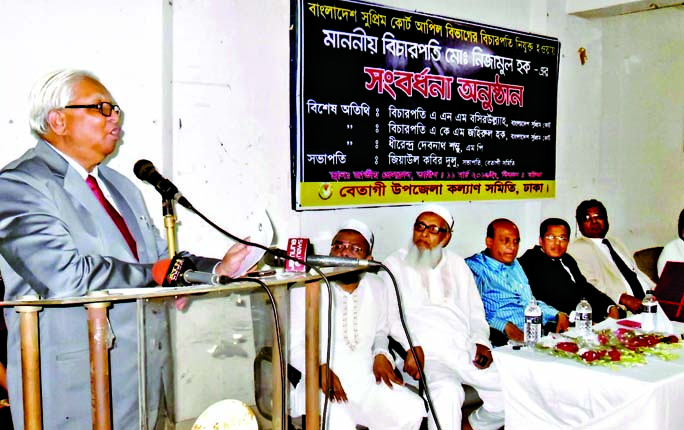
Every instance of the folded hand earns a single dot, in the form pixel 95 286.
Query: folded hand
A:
pixel 384 371
pixel 483 357
pixel 330 384
pixel 410 365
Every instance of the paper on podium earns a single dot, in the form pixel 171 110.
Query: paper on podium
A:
pixel 261 233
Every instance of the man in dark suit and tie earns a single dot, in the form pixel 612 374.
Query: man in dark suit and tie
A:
pixel 69 226
pixel 554 276
pixel 604 260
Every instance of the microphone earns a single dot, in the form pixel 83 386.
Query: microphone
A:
pixel 180 271
pixel 145 171
pixel 195 277
pixel 275 257
pixel 330 261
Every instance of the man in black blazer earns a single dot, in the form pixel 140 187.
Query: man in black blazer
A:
pixel 554 276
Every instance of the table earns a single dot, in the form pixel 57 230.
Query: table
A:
pixel 546 392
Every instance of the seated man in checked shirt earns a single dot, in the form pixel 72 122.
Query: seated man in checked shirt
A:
pixel 503 286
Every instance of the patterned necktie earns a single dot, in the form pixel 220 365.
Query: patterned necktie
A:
pixel 114 215
pixel 627 273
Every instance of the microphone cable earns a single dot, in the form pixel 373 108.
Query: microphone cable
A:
pixel 278 340
pixel 330 301
pixel 190 207
pixel 410 342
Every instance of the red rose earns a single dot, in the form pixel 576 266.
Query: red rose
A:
pixel 590 356
pixel 623 333
pixel 614 354
pixel 651 339
pixel 670 339
pixel 570 347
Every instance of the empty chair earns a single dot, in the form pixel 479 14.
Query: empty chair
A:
pixel 647 261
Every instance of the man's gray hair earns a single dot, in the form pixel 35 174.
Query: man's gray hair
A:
pixel 52 91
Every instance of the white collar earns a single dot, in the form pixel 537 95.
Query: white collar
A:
pixel 75 165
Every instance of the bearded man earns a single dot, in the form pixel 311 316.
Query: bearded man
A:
pixel 359 380
pixel 446 322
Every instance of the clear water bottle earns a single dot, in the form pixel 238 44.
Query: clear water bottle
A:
pixel 583 318
pixel 649 307
pixel 533 323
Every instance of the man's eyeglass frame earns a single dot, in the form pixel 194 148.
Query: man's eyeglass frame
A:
pixel 100 107
pixel 552 238
pixel 420 226
pixel 343 246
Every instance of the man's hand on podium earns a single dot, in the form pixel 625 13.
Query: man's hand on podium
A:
pixel 231 262
pixel 228 266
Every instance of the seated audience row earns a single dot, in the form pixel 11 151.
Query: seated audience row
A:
pixel 504 287
pixel 549 273
pixel 455 309
pixel 445 320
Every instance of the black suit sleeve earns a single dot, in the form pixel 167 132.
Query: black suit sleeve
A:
pixel 538 277
pixel 599 301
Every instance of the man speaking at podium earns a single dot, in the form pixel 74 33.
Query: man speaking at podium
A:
pixel 69 226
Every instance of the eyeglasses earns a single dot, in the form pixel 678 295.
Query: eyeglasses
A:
pixel 342 246
pixel 105 108
pixel 434 229
pixel 592 216
pixel 552 238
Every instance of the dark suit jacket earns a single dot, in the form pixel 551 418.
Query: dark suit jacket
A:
pixel 551 283
pixel 57 241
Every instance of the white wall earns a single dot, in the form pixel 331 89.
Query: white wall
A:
pixel 231 95
pixel 119 41
pixel 642 129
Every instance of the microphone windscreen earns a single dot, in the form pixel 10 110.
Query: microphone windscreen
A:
pixel 177 267
pixel 159 270
pixel 297 247
pixel 142 169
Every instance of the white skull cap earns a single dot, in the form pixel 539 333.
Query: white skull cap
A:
pixel 361 228
pixel 439 210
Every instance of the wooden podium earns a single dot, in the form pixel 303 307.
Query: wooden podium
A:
pixel 96 305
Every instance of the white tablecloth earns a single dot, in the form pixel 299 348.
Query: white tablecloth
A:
pixel 547 392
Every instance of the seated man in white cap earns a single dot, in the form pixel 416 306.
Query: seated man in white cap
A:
pixel 446 321
pixel 359 380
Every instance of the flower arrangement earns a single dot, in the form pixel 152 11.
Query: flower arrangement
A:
pixel 624 347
